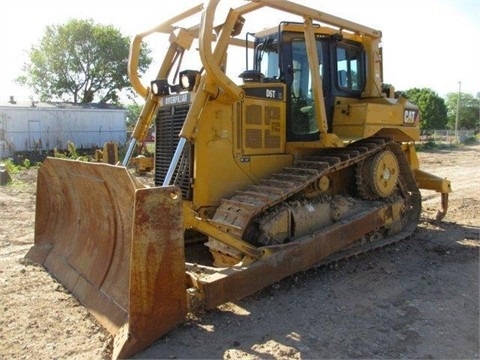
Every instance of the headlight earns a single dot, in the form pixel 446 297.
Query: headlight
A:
pixel 188 78
pixel 160 87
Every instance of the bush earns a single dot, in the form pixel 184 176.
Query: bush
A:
pixel 11 167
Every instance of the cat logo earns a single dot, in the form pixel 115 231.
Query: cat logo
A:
pixel 409 117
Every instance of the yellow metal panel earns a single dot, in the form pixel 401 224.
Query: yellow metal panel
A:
pixel 361 120
pixel 215 172
pixel 219 168
pixel 263 129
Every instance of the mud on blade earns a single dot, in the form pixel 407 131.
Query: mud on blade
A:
pixel 116 245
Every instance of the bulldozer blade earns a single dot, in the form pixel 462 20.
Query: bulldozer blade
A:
pixel 115 245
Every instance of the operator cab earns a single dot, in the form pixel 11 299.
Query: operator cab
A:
pixel 282 57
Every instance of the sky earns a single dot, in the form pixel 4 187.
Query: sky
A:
pixel 426 43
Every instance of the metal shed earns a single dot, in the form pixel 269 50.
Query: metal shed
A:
pixel 45 126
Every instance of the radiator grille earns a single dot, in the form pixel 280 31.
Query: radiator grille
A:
pixel 168 123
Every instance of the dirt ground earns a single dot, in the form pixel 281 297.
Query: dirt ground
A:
pixel 418 298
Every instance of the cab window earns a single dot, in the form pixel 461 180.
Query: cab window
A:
pixel 349 71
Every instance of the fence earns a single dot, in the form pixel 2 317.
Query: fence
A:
pixel 446 136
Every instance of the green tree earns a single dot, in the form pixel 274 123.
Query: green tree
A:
pixel 134 111
pixel 432 108
pixel 468 111
pixel 81 62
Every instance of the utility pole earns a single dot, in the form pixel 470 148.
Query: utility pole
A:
pixel 458 107
pixel 478 125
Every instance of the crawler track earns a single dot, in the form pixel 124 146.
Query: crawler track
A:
pixel 235 214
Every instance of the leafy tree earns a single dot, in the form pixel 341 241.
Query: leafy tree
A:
pixel 468 111
pixel 432 108
pixel 81 62
pixel 134 111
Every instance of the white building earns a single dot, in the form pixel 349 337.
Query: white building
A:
pixel 44 126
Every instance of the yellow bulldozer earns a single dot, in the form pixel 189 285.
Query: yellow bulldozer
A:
pixel 304 157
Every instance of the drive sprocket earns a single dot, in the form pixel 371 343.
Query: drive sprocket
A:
pixel 377 176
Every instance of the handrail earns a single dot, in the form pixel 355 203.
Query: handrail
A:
pixel 307 12
pixel 135 46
